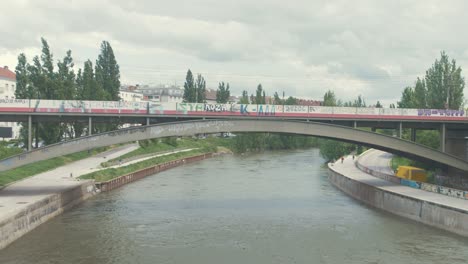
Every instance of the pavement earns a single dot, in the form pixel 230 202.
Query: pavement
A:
pixel 19 195
pixel 349 169
pixel 377 160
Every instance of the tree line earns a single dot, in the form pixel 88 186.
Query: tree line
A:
pixel 440 88
pixel 42 79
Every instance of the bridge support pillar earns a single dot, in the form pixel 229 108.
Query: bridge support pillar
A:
pixel 148 121
pixel 355 124
pixel 400 130
pixel 456 143
pixel 413 134
pixel 443 131
pixel 90 126
pixel 29 133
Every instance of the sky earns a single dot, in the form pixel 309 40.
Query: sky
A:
pixel 304 48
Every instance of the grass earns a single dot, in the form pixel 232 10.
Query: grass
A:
pixel 25 171
pixel 6 151
pixel 109 174
pixel 210 144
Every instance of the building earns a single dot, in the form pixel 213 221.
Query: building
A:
pixel 130 96
pixel 7 92
pixel 162 94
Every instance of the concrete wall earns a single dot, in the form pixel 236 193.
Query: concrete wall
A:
pixel 446 218
pixel 37 213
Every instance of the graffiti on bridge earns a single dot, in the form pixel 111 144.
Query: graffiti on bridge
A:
pixel 440 112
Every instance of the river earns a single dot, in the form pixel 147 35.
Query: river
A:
pixel 275 207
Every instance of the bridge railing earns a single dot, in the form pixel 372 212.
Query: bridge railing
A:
pixel 207 109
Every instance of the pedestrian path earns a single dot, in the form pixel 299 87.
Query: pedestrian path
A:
pixel 349 169
pixel 19 195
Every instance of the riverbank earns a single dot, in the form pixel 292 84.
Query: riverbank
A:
pixel 26 204
pixel 433 209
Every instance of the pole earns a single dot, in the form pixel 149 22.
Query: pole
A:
pixel 90 126
pixel 29 133
pixel 442 137
pixel 400 130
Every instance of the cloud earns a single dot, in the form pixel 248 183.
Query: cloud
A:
pixel 373 48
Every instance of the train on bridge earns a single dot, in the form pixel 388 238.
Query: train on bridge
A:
pixel 71 107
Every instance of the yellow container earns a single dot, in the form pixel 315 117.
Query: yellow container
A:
pixel 412 173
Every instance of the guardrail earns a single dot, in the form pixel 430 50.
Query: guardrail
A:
pixel 131 177
pixel 414 184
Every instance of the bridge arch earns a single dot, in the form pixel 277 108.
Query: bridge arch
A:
pixel 188 128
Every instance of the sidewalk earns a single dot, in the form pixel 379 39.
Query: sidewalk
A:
pixel 19 195
pixel 349 169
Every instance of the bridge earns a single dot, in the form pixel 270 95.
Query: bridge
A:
pixel 188 128
pixel 452 124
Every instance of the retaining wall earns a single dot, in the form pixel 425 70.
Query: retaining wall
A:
pixel 122 180
pixel 447 218
pixel 414 184
pixel 20 223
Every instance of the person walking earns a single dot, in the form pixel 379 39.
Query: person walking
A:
pixel 342 159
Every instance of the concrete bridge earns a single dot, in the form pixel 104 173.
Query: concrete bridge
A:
pixel 188 128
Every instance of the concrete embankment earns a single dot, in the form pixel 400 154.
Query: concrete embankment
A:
pixel 18 223
pixel 27 204
pixel 433 209
pixel 131 177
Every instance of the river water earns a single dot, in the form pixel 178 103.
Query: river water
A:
pixel 273 207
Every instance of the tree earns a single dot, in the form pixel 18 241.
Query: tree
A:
pixel 444 84
pixel 260 95
pixel 66 78
pixel 245 98
pixel 24 89
pixel 189 88
pixel 290 101
pixel 359 102
pixel 276 99
pixel 407 98
pixel 223 93
pixel 419 99
pixel 200 89
pixel 108 73
pixel 329 99
pixel 378 105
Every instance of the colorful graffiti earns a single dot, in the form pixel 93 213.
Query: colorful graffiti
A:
pixel 169 108
pixel 440 112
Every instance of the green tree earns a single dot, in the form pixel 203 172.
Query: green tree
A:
pixel 66 78
pixel 200 89
pixel 444 84
pixel 245 97
pixel 419 98
pixel 223 93
pixel 189 88
pixel 407 98
pixel 378 105
pixel 260 95
pixel 277 100
pixel 329 99
pixel 24 89
pixel 291 101
pixel 108 72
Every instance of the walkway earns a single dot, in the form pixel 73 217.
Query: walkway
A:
pixel 19 195
pixel 377 160
pixel 349 169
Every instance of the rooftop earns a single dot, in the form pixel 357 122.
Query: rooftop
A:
pixel 5 73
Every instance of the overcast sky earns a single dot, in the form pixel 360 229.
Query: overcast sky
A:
pixel 372 48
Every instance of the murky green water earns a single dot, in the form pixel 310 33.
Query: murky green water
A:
pixel 267 208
